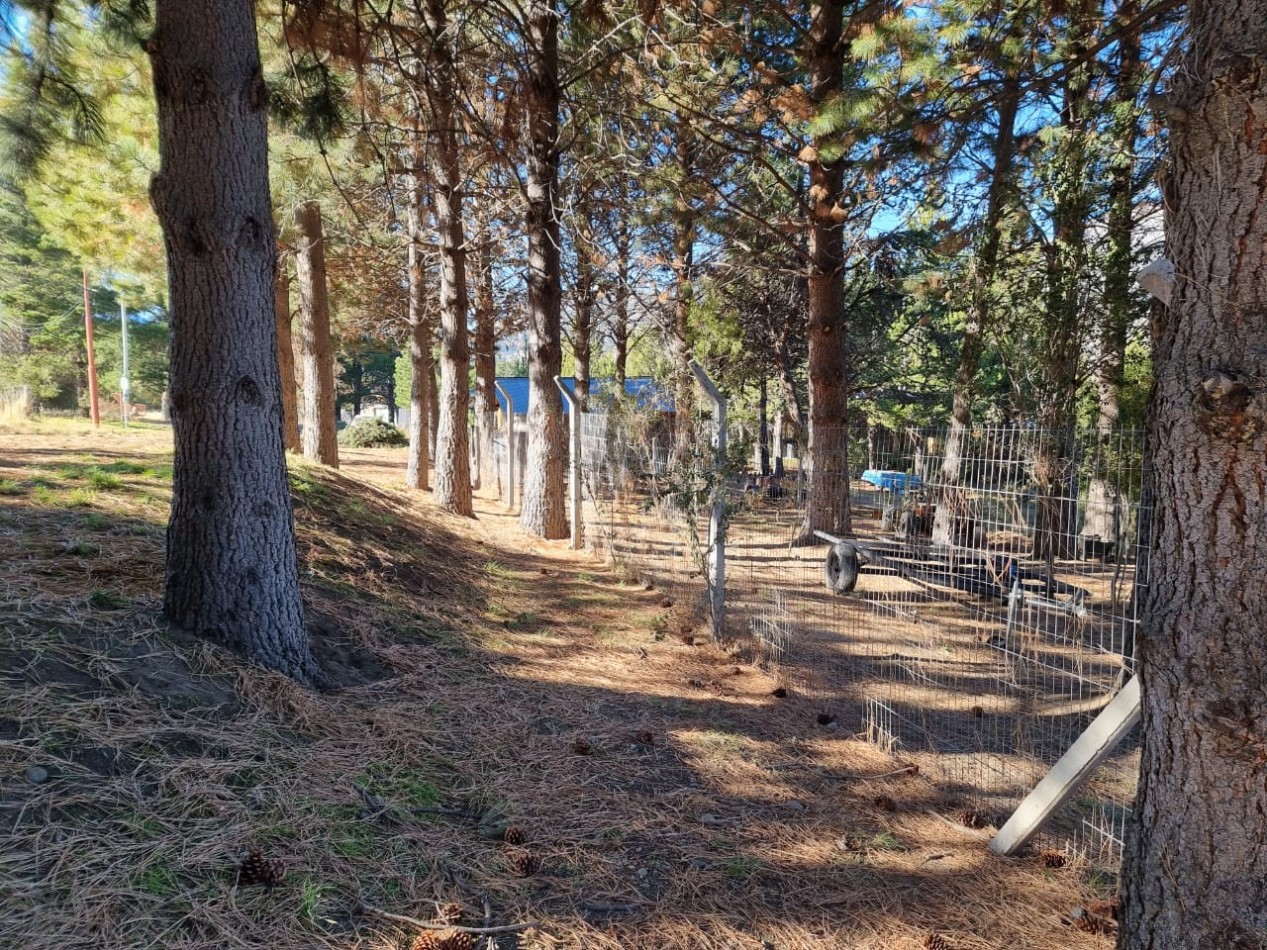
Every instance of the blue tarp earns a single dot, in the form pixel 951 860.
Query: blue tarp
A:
pixel 896 482
pixel 647 393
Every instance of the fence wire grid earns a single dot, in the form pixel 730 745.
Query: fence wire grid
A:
pixel 993 614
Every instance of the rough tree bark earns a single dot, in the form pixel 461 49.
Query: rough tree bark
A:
pixel 485 360
pixel 587 269
pixel 416 473
pixel 286 357
pixel 620 321
pixel 544 512
pixel 827 505
pixel 231 572
pixel 1195 872
pixel 319 415
pixel 453 451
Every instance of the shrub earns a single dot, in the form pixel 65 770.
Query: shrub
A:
pixel 372 434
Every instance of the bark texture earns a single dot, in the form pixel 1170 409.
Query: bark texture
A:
pixel 286 358
pixel 453 447
pixel 620 320
pixel 319 416
pixel 420 360
pixel 1195 872
pixel 231 571
pixel 485 342
pixel 544 512
pixel 827 505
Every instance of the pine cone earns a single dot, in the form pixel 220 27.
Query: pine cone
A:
pixel 1092 923
pixel 645 737
pixel 515 835
pixel 1052 858
pixel 582 747
pixel 935 941
pixel 427 940
pixel 257 869
pixel 1111 908
pixel 971 819
pixel 522 862
pixel 450 913
pixel 455 940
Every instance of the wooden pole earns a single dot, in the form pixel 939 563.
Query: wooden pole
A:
pixel 510 448
pixel 94 404
pixel 125 382
pixel 574 460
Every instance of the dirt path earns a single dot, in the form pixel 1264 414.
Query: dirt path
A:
pixel 667 798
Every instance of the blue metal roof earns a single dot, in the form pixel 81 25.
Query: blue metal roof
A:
pixel 647 393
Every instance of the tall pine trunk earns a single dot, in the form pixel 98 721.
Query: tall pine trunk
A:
pixel 544 511
pixel 416 471
pixel 587 268
pixel 319 414
pixel 1056 519
pixel 453 450
pixel 286 358
pixel 684 231
pixel 1195 873
pixel 827 504
pixel 949 503
pixel 620 322
pixel 231 572
pixel 485 360
pixel 1104 500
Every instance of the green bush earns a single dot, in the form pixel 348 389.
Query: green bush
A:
pixel 372 434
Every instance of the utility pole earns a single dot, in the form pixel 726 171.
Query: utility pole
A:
pixel 125 383
pixel 92 356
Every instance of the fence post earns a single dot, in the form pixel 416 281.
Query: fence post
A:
pixel 510 447
pixel 716 521
pixel 574 460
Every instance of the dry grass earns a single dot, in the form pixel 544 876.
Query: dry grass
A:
pixel 706 814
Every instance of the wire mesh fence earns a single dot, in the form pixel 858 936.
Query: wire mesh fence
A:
pixel 16 403
pixel 980 613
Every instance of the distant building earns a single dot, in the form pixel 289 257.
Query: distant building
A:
pixel 645 391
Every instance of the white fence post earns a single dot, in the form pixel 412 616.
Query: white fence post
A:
pixel 717 520
pixel 1075 767
pixel 510 447
pixel 574 460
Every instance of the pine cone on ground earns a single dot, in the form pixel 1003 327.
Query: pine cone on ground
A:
pixel 935 941
pixel 522 862
pixel 456 940
pixel 582 747
pixel 1111 908
pixel 257 869
pixel 1093 923
pixel 971 819
pixel 1052 858
pixel 450 913
pixel 427 940
pixel 515 835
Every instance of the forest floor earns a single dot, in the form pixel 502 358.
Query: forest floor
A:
pixel 667 798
